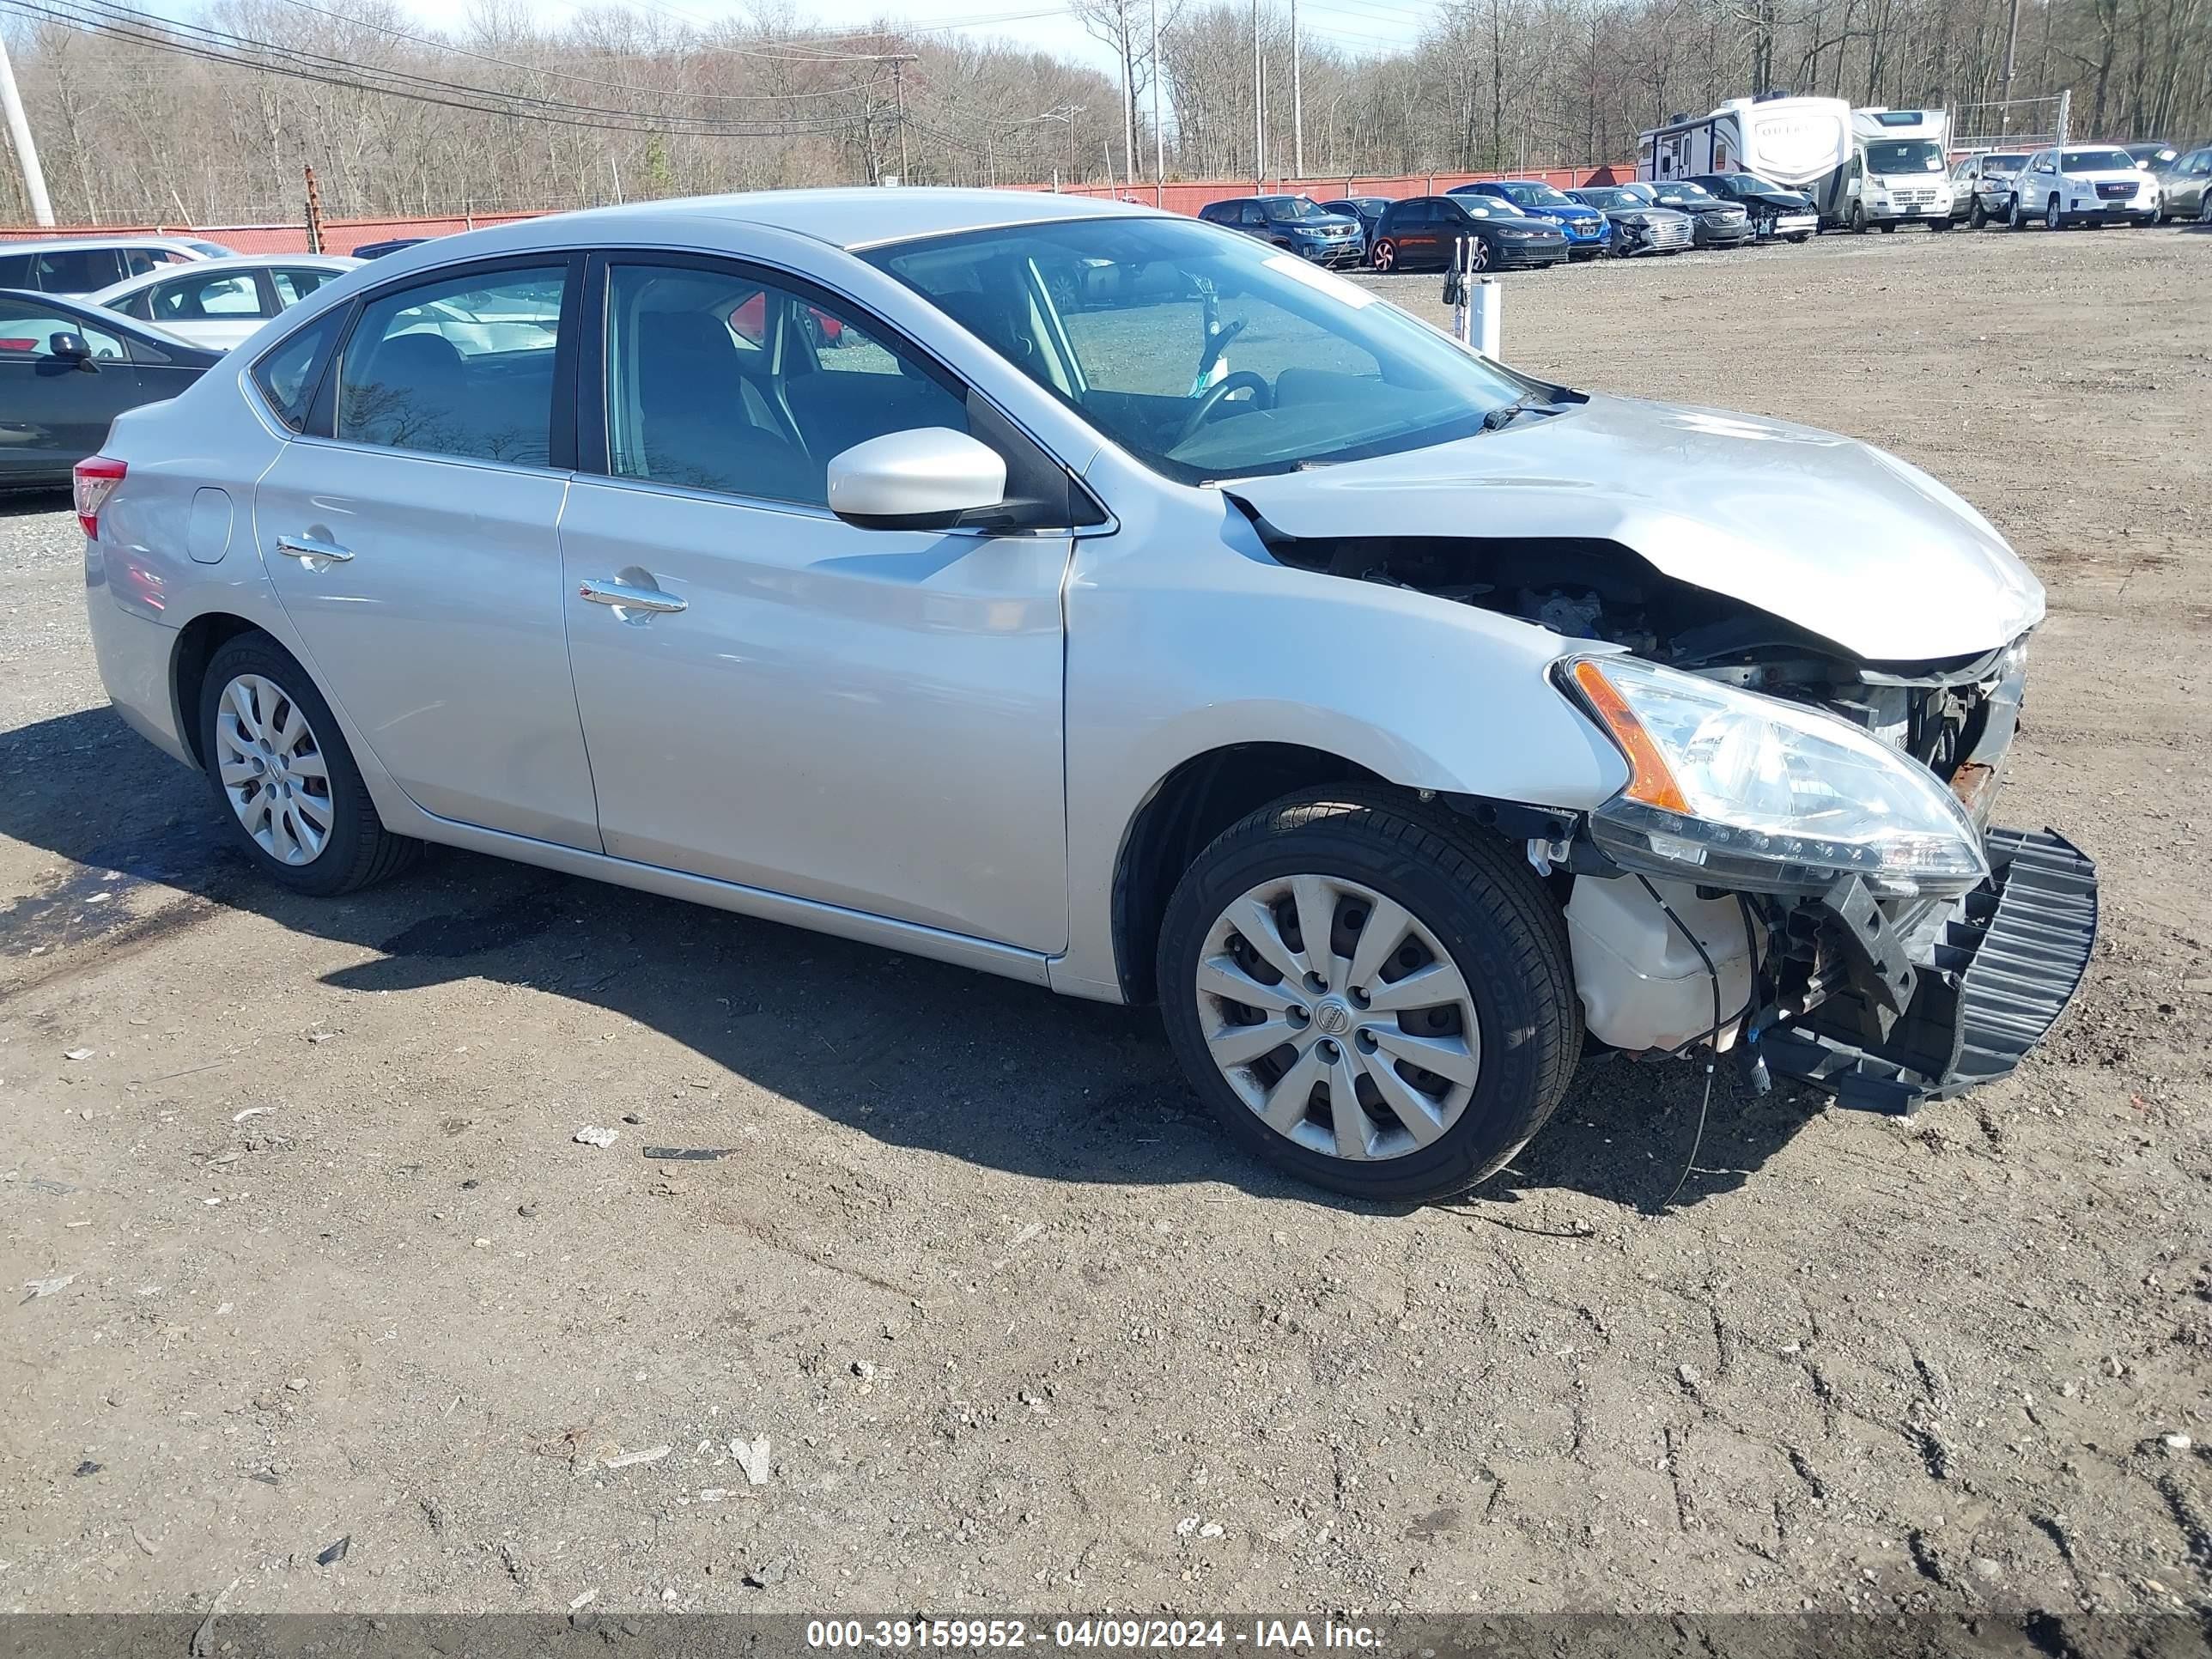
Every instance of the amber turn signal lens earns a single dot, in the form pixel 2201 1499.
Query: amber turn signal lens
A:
pixel 1650 781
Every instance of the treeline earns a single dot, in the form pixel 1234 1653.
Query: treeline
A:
pixel 211 120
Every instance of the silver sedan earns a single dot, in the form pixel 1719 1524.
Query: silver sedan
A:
pixel 1093 596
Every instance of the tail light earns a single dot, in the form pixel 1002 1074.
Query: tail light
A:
pixel 95 480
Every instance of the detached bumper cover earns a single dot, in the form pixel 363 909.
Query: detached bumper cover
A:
pixel 1993 982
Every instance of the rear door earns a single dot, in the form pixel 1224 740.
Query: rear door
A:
pixel 55 412
pixel 412 536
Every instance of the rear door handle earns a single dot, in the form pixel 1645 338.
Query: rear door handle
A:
pixel 304 547
pixel 624 597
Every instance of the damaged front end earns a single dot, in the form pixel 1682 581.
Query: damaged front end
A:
pixel 1801 866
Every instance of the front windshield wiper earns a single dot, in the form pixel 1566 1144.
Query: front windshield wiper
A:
pixel 1505 414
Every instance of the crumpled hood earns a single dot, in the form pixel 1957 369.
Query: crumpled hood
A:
pixel 1824 531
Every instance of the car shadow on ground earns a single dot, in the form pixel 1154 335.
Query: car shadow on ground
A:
pixel 910 1052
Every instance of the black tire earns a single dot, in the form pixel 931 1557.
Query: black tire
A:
pixel 1858 219
pixel 360 850
pixel 2013 217
pixel 2054 218
pixel 1976 217
pixel 1384 256
pixel 1802 236
pixel 1483 904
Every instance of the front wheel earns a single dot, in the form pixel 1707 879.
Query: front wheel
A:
pixel 1858 219
pixel 2052 218
pixel 1802 236
pixel 2014 215
pixel 1976 217
pixel 290 788
pixel 1478 256
pixel 1374 996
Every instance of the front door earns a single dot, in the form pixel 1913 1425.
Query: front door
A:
pixel 54 412
pixel 868 719
pixel 415 546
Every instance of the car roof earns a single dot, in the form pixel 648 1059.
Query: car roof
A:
pixel 130 285
pixel 71 244
pixel 849 218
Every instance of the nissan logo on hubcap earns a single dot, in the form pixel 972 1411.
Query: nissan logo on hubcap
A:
pixel 1332 1018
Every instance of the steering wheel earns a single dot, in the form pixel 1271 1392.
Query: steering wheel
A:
pixel 1263 397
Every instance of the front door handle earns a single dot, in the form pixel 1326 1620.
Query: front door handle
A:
pixel 304 547
pixel 624 597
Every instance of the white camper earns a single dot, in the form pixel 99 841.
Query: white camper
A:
pixel 1897 172
pixel 1783 140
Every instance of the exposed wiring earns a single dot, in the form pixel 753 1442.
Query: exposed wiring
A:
pixel 1712 1052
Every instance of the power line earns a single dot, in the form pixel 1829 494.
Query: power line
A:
pixel 423 89
pixel 456 50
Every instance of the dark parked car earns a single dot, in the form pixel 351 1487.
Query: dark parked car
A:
pixel 1713 223
pixel 1585 228
pixel 1638 226
pixel 66 370
pixel 1368 210
pixel 378 250
pixel 1774 211
pixel 1297 224
pixel 2153 158
pixel 1420 235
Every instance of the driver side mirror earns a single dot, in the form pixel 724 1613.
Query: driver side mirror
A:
pixel 68 348
pixel 925 479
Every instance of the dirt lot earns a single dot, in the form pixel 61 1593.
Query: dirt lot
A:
pixel 1020 1330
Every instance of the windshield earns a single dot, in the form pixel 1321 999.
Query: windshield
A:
pixel 1288 209
pixel 1206 356
pixel 1538 196
pixel 1905 155
pixel 1614 198
pixel 2151 155
pixel 2002 164
pixel 2095 161
pixel 1696 195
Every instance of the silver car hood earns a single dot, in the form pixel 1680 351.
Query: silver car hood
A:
pixel 1824 531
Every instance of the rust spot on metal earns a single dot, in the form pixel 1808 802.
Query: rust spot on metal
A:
pixel 1971 784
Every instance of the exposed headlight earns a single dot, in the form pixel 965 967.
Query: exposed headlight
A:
pixel 1753 792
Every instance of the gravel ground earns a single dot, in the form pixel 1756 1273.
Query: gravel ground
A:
pixel 1009 1325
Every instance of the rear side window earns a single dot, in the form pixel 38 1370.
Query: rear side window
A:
pixel 289 371
pixel 76 270
pixel 462 365
pixel 211 296
pixel 15 271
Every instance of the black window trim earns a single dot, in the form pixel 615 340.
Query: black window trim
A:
pixel 561 428
pixel 1083 515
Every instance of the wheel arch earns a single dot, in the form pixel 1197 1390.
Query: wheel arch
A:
pixel 197 642
pixel 1189 807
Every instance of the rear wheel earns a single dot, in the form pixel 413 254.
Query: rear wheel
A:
pixel 1385 256
pixel 288 785
pixel 1372 996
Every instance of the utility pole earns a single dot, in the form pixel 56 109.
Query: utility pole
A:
pixel 898 85
pixel 1258 108
pixel 26 151
pixel 1159 141
pixel 315 211
pixel 1297 102
pixel 2012 49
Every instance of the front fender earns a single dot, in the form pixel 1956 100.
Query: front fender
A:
pixel 1182 642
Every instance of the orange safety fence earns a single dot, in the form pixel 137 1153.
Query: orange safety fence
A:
pixel 345 235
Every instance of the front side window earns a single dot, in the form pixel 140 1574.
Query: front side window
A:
pixel 27 331
pixel 1211 358
pixel 458 366
pixel 213 297
pixel 720 381
pixel 294 283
